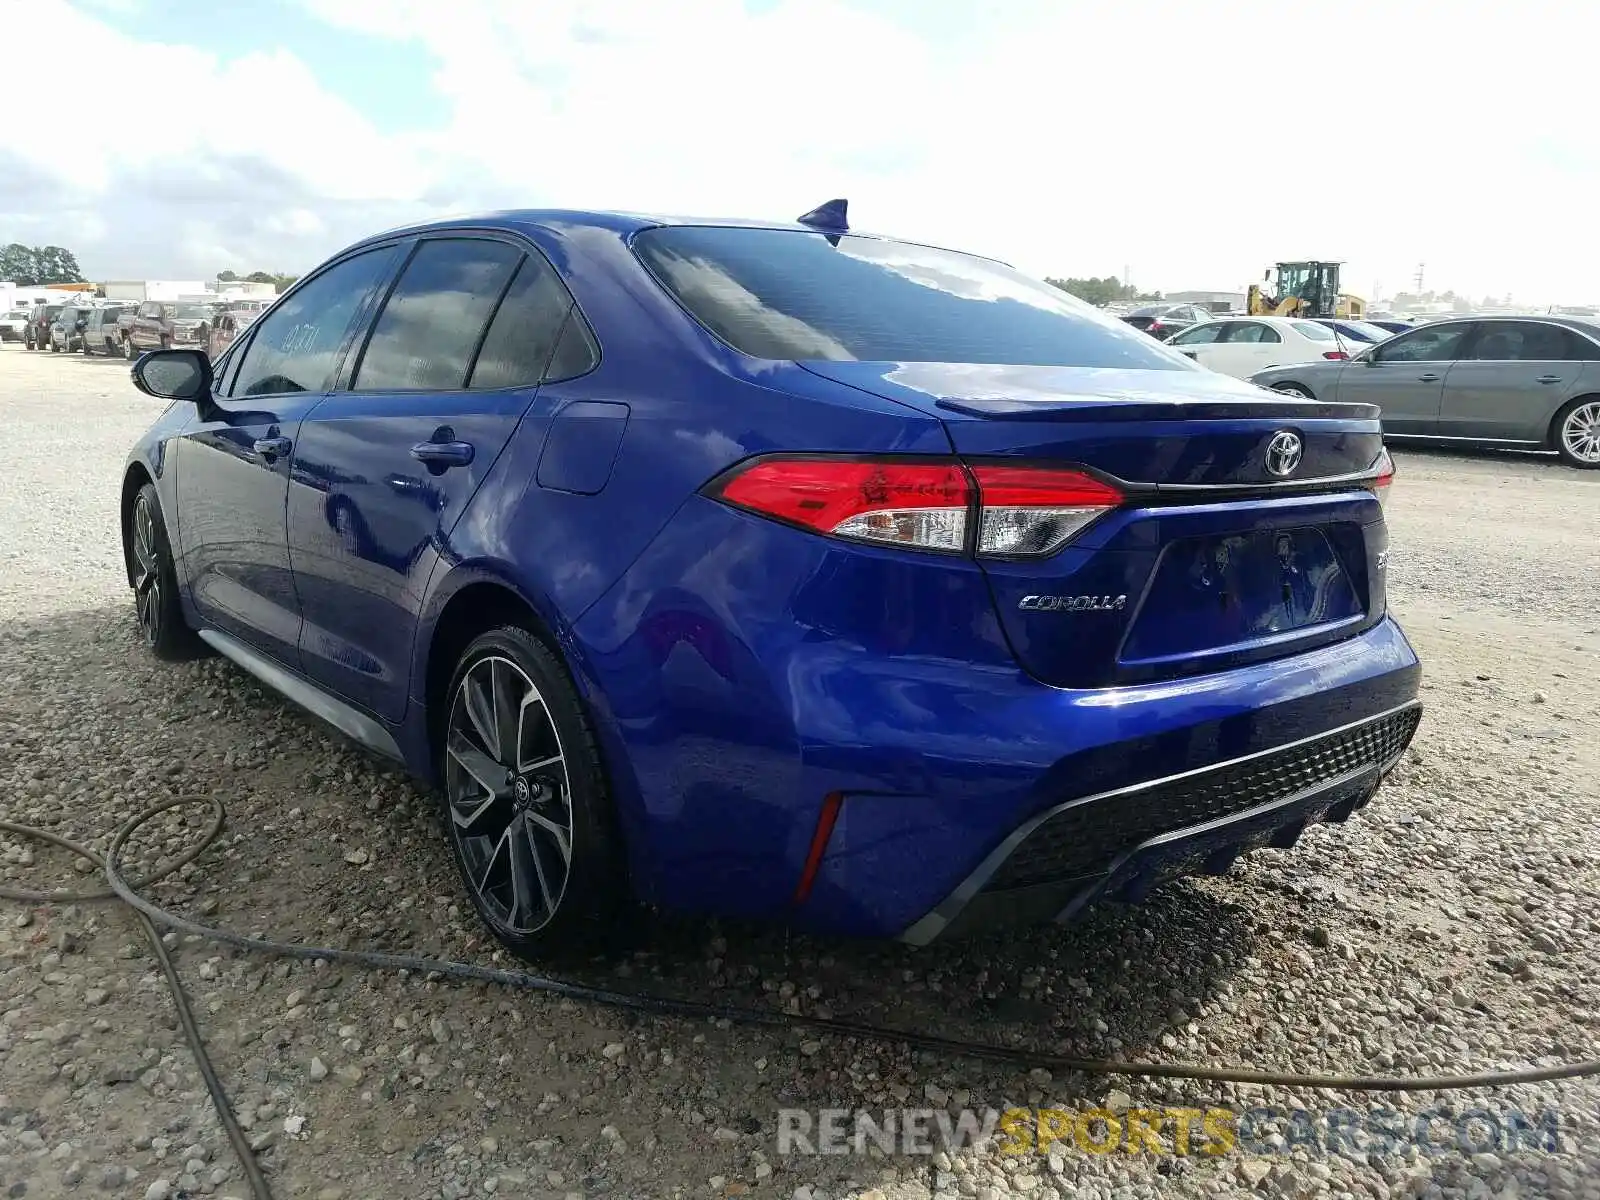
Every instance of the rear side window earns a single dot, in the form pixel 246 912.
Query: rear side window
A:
pixel 793 294
pixel 1523 341
pixel 431 325
pixel 1252 332
pixel 525 329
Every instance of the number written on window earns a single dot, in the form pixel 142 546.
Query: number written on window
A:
pixel 296 347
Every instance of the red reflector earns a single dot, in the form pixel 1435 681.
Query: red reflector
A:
pixel 819 845
pixel 1334 354
pixel 1042 487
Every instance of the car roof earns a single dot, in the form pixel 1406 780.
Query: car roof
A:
pixel 622 223
pixel 1583 325
pixel 1280 322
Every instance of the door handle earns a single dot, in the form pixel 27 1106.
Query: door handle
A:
pixel 1427 377
pixel 271 448
pixel 1549 379
pixel 443 454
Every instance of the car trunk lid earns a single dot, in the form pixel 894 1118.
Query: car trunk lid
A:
pixel 1215 559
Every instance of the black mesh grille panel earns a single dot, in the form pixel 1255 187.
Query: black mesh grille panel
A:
pixel 1083 839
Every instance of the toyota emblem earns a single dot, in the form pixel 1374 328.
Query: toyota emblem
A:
pixel 1283 453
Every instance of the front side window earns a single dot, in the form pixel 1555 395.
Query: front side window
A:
pixel 793 294
pixel 296 348
pixel 430 326
pixel 1202 334
pixel 1440 343
pixel 1252 331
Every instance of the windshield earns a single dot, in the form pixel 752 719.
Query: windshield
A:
pixel 792 294
pixel 191 312
pixel 17 314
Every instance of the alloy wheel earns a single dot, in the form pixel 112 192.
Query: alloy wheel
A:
pixel 1580 432
pixel 147 577
pixel 509 795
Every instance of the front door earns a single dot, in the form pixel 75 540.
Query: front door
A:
pixel 1405 377
pixel 233 468
pixel 386 464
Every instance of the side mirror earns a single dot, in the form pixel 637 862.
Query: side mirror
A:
pixel 173 375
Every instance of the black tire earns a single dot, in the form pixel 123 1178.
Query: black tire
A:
pixel 1576 448
pixel 488 827
pixel 54 349
pixel 1293 389
pixel 155 582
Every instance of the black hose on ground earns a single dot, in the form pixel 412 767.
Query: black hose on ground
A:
pixel 152 916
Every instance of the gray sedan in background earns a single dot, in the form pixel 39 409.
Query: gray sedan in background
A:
pixel 1526 382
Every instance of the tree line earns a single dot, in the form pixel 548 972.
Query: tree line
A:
pixel 35 266
pixel 1102 291
pixel 279 282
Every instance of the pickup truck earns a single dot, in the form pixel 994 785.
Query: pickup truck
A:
pixel 103 331
pixel 165 325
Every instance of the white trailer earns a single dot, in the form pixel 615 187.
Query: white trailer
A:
pixel 152 289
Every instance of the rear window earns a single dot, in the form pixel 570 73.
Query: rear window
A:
pixel 1317 333
pixel 1370 333
pixel 792 294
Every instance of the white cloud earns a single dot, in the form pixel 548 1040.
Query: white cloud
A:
pixel 1195 143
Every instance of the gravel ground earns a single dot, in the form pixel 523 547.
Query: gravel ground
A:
pixel 1454 922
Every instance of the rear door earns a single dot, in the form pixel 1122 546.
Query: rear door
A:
pixel 1510 380
pixel 385 465
pixel 1244 348
pixel 1405 377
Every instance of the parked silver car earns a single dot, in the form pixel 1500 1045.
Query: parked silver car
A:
pixel 1530 382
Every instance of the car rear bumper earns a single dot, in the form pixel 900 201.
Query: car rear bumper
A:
pixel 1120 844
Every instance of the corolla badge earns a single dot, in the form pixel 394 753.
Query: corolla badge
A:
pixel 1284 452
pixel 1073 603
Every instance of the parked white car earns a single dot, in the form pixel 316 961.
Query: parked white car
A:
pixel 12 324
pixel 1241 346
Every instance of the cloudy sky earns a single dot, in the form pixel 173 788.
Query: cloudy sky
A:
pixel 1194 143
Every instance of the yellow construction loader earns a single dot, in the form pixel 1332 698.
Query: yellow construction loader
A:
pixel 1304 289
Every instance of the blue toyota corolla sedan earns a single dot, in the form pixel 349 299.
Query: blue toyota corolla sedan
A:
pixel 777 570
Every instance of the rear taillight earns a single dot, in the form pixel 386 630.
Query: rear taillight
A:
pixel 1385 478
pixel 1027 512
pixel 1335 354
pixel 906 504
pixel 1019 511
